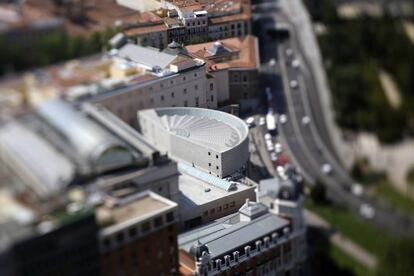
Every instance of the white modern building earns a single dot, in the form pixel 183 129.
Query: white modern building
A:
pixel 212 141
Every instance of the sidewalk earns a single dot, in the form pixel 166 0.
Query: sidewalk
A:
pixel 346 245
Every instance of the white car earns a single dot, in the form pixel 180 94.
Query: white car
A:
pixel 283 118
pixel 293 84
pixel 269 145
pixel 289 52
pixel 262 121
pixel 278 148
pixel 272 62
pixel 273 156
pixel 267 136
pixel 357 189
pixel 367 211
pixel 326 168
pixel 250 122
pixel 295 63
pixel 305 120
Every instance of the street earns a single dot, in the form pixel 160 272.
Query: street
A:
pixel 309 145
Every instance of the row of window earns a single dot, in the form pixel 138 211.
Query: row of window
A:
pixel 219 209
pixel 142 229
pixel 209 154
pixel 194 23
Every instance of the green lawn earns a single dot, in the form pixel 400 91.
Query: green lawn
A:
pixel 356 229
pixel 383 189
pixel 345 262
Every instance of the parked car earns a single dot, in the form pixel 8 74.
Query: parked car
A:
pixel 357 189
pixel 326 168
pixel 305 120
pixel 269 145
pixel 250 122
pixel 283 118
pixel 273 156
pixel 289 52
pixel 293 84
pixel 367 211
pixel 262 121
pixel 295 63
pixel 278 148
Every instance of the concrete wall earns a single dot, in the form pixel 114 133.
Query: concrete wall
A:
pixel 243 84
pixel 221 79
pixel 233 159
pixel 183 89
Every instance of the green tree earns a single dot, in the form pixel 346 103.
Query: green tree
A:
pixel 398 258
pixel 318 193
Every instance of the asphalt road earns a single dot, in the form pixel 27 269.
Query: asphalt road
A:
pixel 309 145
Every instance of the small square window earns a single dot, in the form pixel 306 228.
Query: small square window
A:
pixel 132 232
pixel 219 209
pixel 209 153
pixel 162 98
pixel 216 156
pixel 145 227
pixel 120 237
pixel 209 164
pixel 170 216
pixel 232 204
pixel 226 206
pixel 212 211
pixel 172 94
pixel 158 221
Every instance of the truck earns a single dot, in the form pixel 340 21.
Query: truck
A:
pixel 271 122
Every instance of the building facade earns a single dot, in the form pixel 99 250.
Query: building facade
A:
pixel 138 235
pixel 262 246
pixel 211 141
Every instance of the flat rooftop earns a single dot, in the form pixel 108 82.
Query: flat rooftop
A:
pixel 132 209
pixel 136 209
pixel 230 233
pixel 194 191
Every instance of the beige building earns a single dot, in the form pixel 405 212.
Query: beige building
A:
pixel 233 64
pixel 190 21
pixel 179 81
pixel 125 80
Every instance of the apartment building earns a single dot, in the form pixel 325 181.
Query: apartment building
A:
pixel 124 80
pixel 195 20
pixel 252 241
pixel 234 65
pixel 138 235
pixel 161 80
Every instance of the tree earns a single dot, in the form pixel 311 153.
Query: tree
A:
pixel 318 193
pixel 398 258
